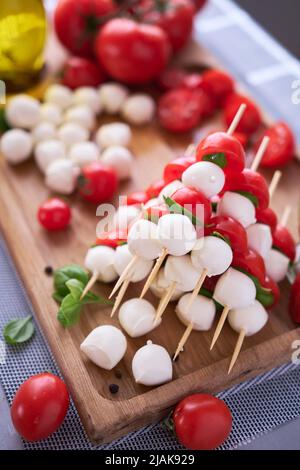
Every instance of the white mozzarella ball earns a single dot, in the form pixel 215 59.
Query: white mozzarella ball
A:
pixel 140 270
pixel 23 111
pixel 105 346
pixel 251 319
pixel 84 153
pixel 152 365
pixel 201 313
pixel 113 134
pixel 88 96
pixel 59 95
pixel 137 317
pixel 277 265
pixel 212 254
pixel 119 158
pixel 112 97
pixel 179 269
pixel 81 115
pixel 205 177
pixel 161 284
pixel 138 109
pixel 47 152
pixel 169 189
pixel 52 113
pixel 260 239
pixel 101 259
pixel 176 233
pixel 152 203
pixel 61 176
pixel 238 207
pixel 143 240
pixel 72 133
pixel 235 289
pixel 16 146
pixel 44 131
pixel 125 216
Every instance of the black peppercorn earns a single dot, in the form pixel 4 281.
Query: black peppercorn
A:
pixel 114 388
pixel 49 270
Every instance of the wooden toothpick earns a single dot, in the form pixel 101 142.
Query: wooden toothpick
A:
pixel 237 349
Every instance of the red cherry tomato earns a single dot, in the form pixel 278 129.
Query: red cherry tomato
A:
pixel 231 230
pixel 40 406
pixel 199 4
pixel 250 183
pixel 281 149
pixel 154 213
pixel 155 188
pixel 294 302
pixel 194 81
pixel 251 120
pixel 173 170
pixel 202 422
pixel 267 217
pixel 273 287
pixel 80 72
pixel 54 214
pixel 217 84
pixel 170 78
pixel 180 110
pixel 138 197
pixel 132 52
pixel 252 263
pixel 97 183
pixel 113 238
pixel 283 241
pixel 77 23
pixel 193 201
pixel 242 138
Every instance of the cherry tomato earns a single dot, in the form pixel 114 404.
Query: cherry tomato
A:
pixel 171 77
pixel 80 72
pixel 193 201
pixel 77 23
pixel 194 81
pixel 174 169
pixel 283 241
pixel 231 230
pixel 268 217
pixel 154 213
pixel 97 183
pixel 113 238
pixel 132 52
pixel 224 150
pixel 40 406
pixel 242 138
pixel 199 4
pixel 251 120
pixel 273 287
pixel 217 84
pixel 281 149
pixel 202 422
pixel 155 188
pixel 294 301
pixel 249 183
pixel 252 263
pixel 179 110
pixel 54 214
pixel 138 197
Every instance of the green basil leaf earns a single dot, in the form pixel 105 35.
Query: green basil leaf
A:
pixel 19 330
pixel 222 237
pixel 178 209
pixel 75 287
pixel 64 274
pixel 249 196
pixel 265 297
pixel 217 158
pixel 58 297
pixel 91 298
pixel 69 312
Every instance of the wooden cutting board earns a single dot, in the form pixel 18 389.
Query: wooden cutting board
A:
pixel 106 416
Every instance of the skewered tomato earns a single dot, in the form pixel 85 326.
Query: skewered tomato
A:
pixel 173 170
pixel 250 184
pixel 80 72
pixel 170 78
pixel 294 302
pixel 97 183
pixel 281 148
pixel 179 110
pixel 242 138
pixel 155 188
pixel 283 241
pixel 267 216
pixel 193 201
pixel 251 119
pixel 273 287
pixel 217 84
pixel 231 230
pixel 113 238
pixel 54 214
pixel 252 263
pixel 138 197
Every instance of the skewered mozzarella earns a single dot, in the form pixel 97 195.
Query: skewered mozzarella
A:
pixel 201 313
pixel 59 95
pixel 119 158
pixel 112 97
pixel 252 319
pixel 72 133
pixel 16 145
pixel 113 134
pixel 205 177
pixel 151 203
pixel 138 109
pixel 141 268
pixel 238 207
pixel 48 152
pixel 88 96
pixel 61 176
pixel 81 115
pixel 125 216
pixel 84 153
pixel 105 346
pixel 143 240
pixel 176 233
pixel 213 254
pixel 235 289
pixel 101 259
pixel 51 112
pixel 44 131
pixel 179 269
pixel 136 316
pixel 23 111
pixel 160 285
pixel 277 265
pixel 170 189
pixel 152 365
pixel 260 239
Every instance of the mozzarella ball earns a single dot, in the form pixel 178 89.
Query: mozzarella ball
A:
pixel 61 176
pixel 277 265
pixel 143 240
pixel 179 269
pixel 238 207
pixel 119 158
pixel 205 177
pixel 105 346
pixel 152 365
pixel 252 319
pixel 138 109
pixel 52 113
pixel 16 146
pixel 84 153
pixel 101 259
pixel 235 289
pixel 44 131
pixel 112 97
pixel 48 152
pixel 161 284
pixel 201 313
pixel 212 254
pixel 88 96
pixel 137 317
pixel 59 95
pixel 170 189
pixel 140 270
pixel 151 203
pixel 72 133
pixel 81 115
pixel 113 134
pixel 125 216
pixel 23 111
pixel 176 233
pixel 260 239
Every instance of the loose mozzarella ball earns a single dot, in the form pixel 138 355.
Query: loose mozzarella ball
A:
pixel 161 284
pixel 238 207
pixel 52 113
pixel 260 239
pixel 44 131
pixel 105 346
pixel 125 216
pixel 112 97
pixel 143 240
pixel 61 176
pixel 138 109
pixel 170 189
pixel 205 177
pixel 179 269
pixel 212 254
pixel 137 317
pixel 251 319
pixel 235 290
pixel 277 265
pixel 140 270
pixel 84 153
pixel 113 134
pixel 152 365
pixel 101 259
pixel 59 95
pixel 48 152
pixel 119 158
pixel 72 133
pixel 16 146
pixel 81 115
pixel 201 313
pixel 88 96
pixel 23 111
pixel 176 233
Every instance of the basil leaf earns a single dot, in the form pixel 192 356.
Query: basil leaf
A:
pixel 64 274
pixel 222 237
pixel 91 298
pixel 75 287
pixel 178 209
pixel 19 330
pixel 217 158
pixel 263 295
pixel 249 196
pixel 69 312
pixel 58 297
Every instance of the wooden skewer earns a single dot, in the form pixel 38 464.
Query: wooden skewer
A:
pixel 220 325
pixel 154 272
pixel 274 183
pixel 124 274
pixel 237 118
pixel 260 153
pixel 286 215
pixel 237 349
pixel 183 339
pixel 190 150
pixel 165 300
pixel 90 284
pixel 120 296
pixel 197 288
